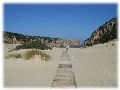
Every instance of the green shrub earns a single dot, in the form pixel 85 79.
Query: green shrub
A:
pixel 89 45
pixel 113 44
pixel 15 56
pixel 32 53
pixel 32 45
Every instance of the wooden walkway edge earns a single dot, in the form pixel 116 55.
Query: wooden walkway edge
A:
pixel 64 76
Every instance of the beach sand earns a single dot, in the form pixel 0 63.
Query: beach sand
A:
pixel 31 73
pixel 94 66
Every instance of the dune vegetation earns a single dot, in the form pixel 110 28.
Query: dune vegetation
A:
pixel 32 45
pixel 31 53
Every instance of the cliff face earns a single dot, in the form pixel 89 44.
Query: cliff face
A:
pixel 13 38
pixel 104 33
pixel 10 37
pixel 64 42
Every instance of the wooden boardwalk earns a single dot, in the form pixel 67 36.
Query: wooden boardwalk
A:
pixel 64 76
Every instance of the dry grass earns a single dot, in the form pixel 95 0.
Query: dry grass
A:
pixel 31 53
pixel 15 56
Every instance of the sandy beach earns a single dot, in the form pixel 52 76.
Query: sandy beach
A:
pixel 71 45
pixel 31 73
pixel 94 66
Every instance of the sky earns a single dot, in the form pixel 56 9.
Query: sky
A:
pixel 69 21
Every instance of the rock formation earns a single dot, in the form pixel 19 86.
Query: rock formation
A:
pixel 104 33
pixel 13 38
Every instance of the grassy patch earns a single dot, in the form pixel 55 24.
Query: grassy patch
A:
pixel 10 50
pixel 90 45
pixel 113 44
pixel 15 56
pixel 32 45
pixel 32 53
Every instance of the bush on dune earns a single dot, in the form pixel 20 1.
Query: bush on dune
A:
pixel 32 45
pixel 31 53
pixel 15 56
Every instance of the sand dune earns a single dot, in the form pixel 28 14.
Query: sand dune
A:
pixel 32 73
pixel 94 66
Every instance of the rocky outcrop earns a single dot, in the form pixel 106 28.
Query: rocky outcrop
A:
pixel 104 33
pixel 13 38
pixel 64 42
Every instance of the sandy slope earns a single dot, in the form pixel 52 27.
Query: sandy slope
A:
pixel 95 66
pixel 32 73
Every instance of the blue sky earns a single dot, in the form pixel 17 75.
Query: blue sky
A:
pixel 70 21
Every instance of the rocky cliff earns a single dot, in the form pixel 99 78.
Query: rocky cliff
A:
pixel 13 38
pixel 104 33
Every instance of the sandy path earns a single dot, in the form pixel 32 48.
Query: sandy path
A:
pixel 65 76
